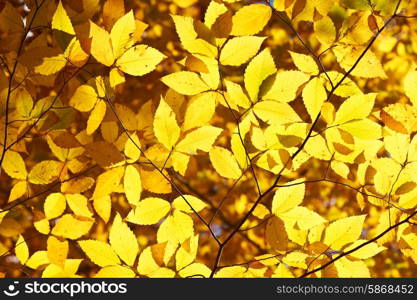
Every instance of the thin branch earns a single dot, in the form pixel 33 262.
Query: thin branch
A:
pixel 251 261
pixel 257 225
pixel 12 72
pixel 229 191
pixel 304 43
pixel 15 203
pixel 406 17
pixel 271 188
pixel 177 189
pixel 345 185
pixel 322 267
pixel 213 207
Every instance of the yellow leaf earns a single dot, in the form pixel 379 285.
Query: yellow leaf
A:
pixel 14 165
pixel 96 116
pixel 186 254
pixel 400 117
pixel 351 269
pixel 357 4
pixel 343 231
pixel 102 206
pixel 18 190
pixel 24 102
pixel 116 77
pixel 224 163
pixel 149 211
pixel 210 75
pixel 77 185
pixel 185 28
pixel 57 251
pixel 288 197
pixel 364 252
pixel 147 264
pixel 71 228
pixel 259 68
pixel 176 228
pixel 236 96
pixel 314 96
pixel 61 21
pixel 189 37
pixel 183 205
pixel 37 259
pixel 261 211
pixel 199 139
pixel 275 113
pixel 165 125
pixel 359 28
pixel 239 50
pixel 100 86
pixel 298 236
pixel 296 259
pixel 213 12
pixel 21 250
pixel 386 172
pixel 185 82
pixel 101 46
pixel 276 235
pixel 132 147
pixel 230 272
pixel 79 205
pixel 304 63
pixel 346 89
pixel 127 116
pixel 122 33
pixel 410 82
pixel 84 98
pixel 107 182
pixel 355 107
pixel 54 205
pixel 195 270
pixel 340 168
pixel 304 217
pixel 51 65
pixel 180 162
pixel 104 153
pixel 368 67
pixel 75 54
pixel 285 85
pixel 132 185
pixel 139 60
pixel 397 145
pixel 200 110
pixel 99 253
pixel 115 272
pixel 123 241
pixel 69 269
pixel 316 146
pixel 386 7
pixel 153 181
pixel 282 272
pixel 42 226
pixel 45 172
pixel 162 272
pixel 325 30
pixel 363 129
pixel 251 19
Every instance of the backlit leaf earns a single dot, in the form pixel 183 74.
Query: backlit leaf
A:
pixel 100 253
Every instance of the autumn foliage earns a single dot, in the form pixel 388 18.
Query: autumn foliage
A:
pixel 197 138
